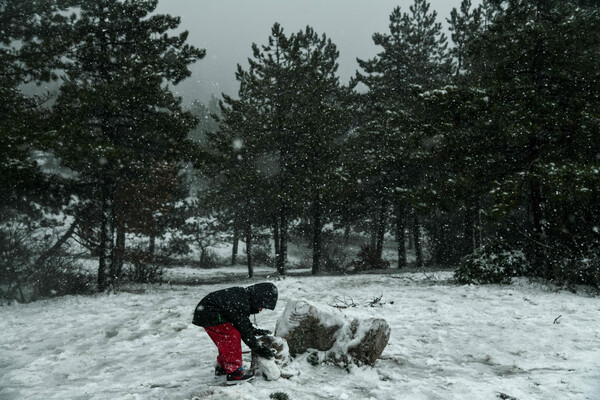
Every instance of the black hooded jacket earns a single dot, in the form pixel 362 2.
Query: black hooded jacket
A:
pixel 235 305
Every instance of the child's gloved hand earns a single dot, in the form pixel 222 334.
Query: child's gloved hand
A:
pixel 261 332
pixel 264 352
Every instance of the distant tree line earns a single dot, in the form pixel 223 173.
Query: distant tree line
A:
pixel 487 147
pixel 490 144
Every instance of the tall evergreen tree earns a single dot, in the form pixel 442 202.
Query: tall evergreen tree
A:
pixel 116 113
pixel 464 25
pixel 207 121
pixel 286 120
pixel 256 128
pixel 236 190
pixel 32 42
pixel 319 121
pixel 539 63
pixel 271 83
pixel 462 145
pixel 413 60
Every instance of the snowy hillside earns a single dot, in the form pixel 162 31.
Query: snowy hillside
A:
pixel 448 342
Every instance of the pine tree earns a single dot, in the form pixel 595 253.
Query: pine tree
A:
pixel 32 43
pixel 413 61
pixel 206 115
pixel 319 120
pixel 236 190
pixel 208 121
pixel 464 26
pixel 271 82
pixel 539 63
pixel 461 149
pixel 285 120
pixel 116 113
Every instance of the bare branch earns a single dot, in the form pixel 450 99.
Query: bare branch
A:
pixel 341 303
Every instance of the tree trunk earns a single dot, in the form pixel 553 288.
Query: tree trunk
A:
pixel 535 205
pixel 346 234
pixel 400 234
pixel 438 242
pixel 469 231
pixel 248 232
pixel 317 236
pixel 535 201
pixel 152 246
pixel 282 256
pixel 277 241
pixel 381 227
pixel 479 233
pixel 536 208
pixel 116 265
pixel 236 240
pixel 113 235
pixel 105 238
pixel 417 241
pixel 374 225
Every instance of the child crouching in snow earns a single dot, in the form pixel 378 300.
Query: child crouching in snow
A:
pixel 225 315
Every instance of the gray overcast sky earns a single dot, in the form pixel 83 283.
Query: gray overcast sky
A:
pixel 227 29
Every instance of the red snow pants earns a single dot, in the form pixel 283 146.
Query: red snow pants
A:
pixel 229 343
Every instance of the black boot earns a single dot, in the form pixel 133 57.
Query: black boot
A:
pixel 238 376
pixel 220 371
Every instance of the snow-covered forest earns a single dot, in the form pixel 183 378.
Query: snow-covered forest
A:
pixel 444 169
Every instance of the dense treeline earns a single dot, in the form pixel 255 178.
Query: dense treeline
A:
pixel 486 146
pixel 114 127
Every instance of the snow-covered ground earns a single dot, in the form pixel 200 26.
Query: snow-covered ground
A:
pixel 448 342
pixel 197 275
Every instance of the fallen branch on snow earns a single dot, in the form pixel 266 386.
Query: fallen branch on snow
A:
pixel 346 302
pixel 505 396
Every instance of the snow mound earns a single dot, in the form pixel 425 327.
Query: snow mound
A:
pixel 268 368
pixel 272 369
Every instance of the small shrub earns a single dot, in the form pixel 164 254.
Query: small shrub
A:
pixel 177 246
pixel 146 273
pixel 208 259
pixel 279 396
pixel 30 269
pixel 61 277
pixel 334 258
pixel 368 259
pixel 143 268
pixel 580 269
pixel 261 254
pixel 492 263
